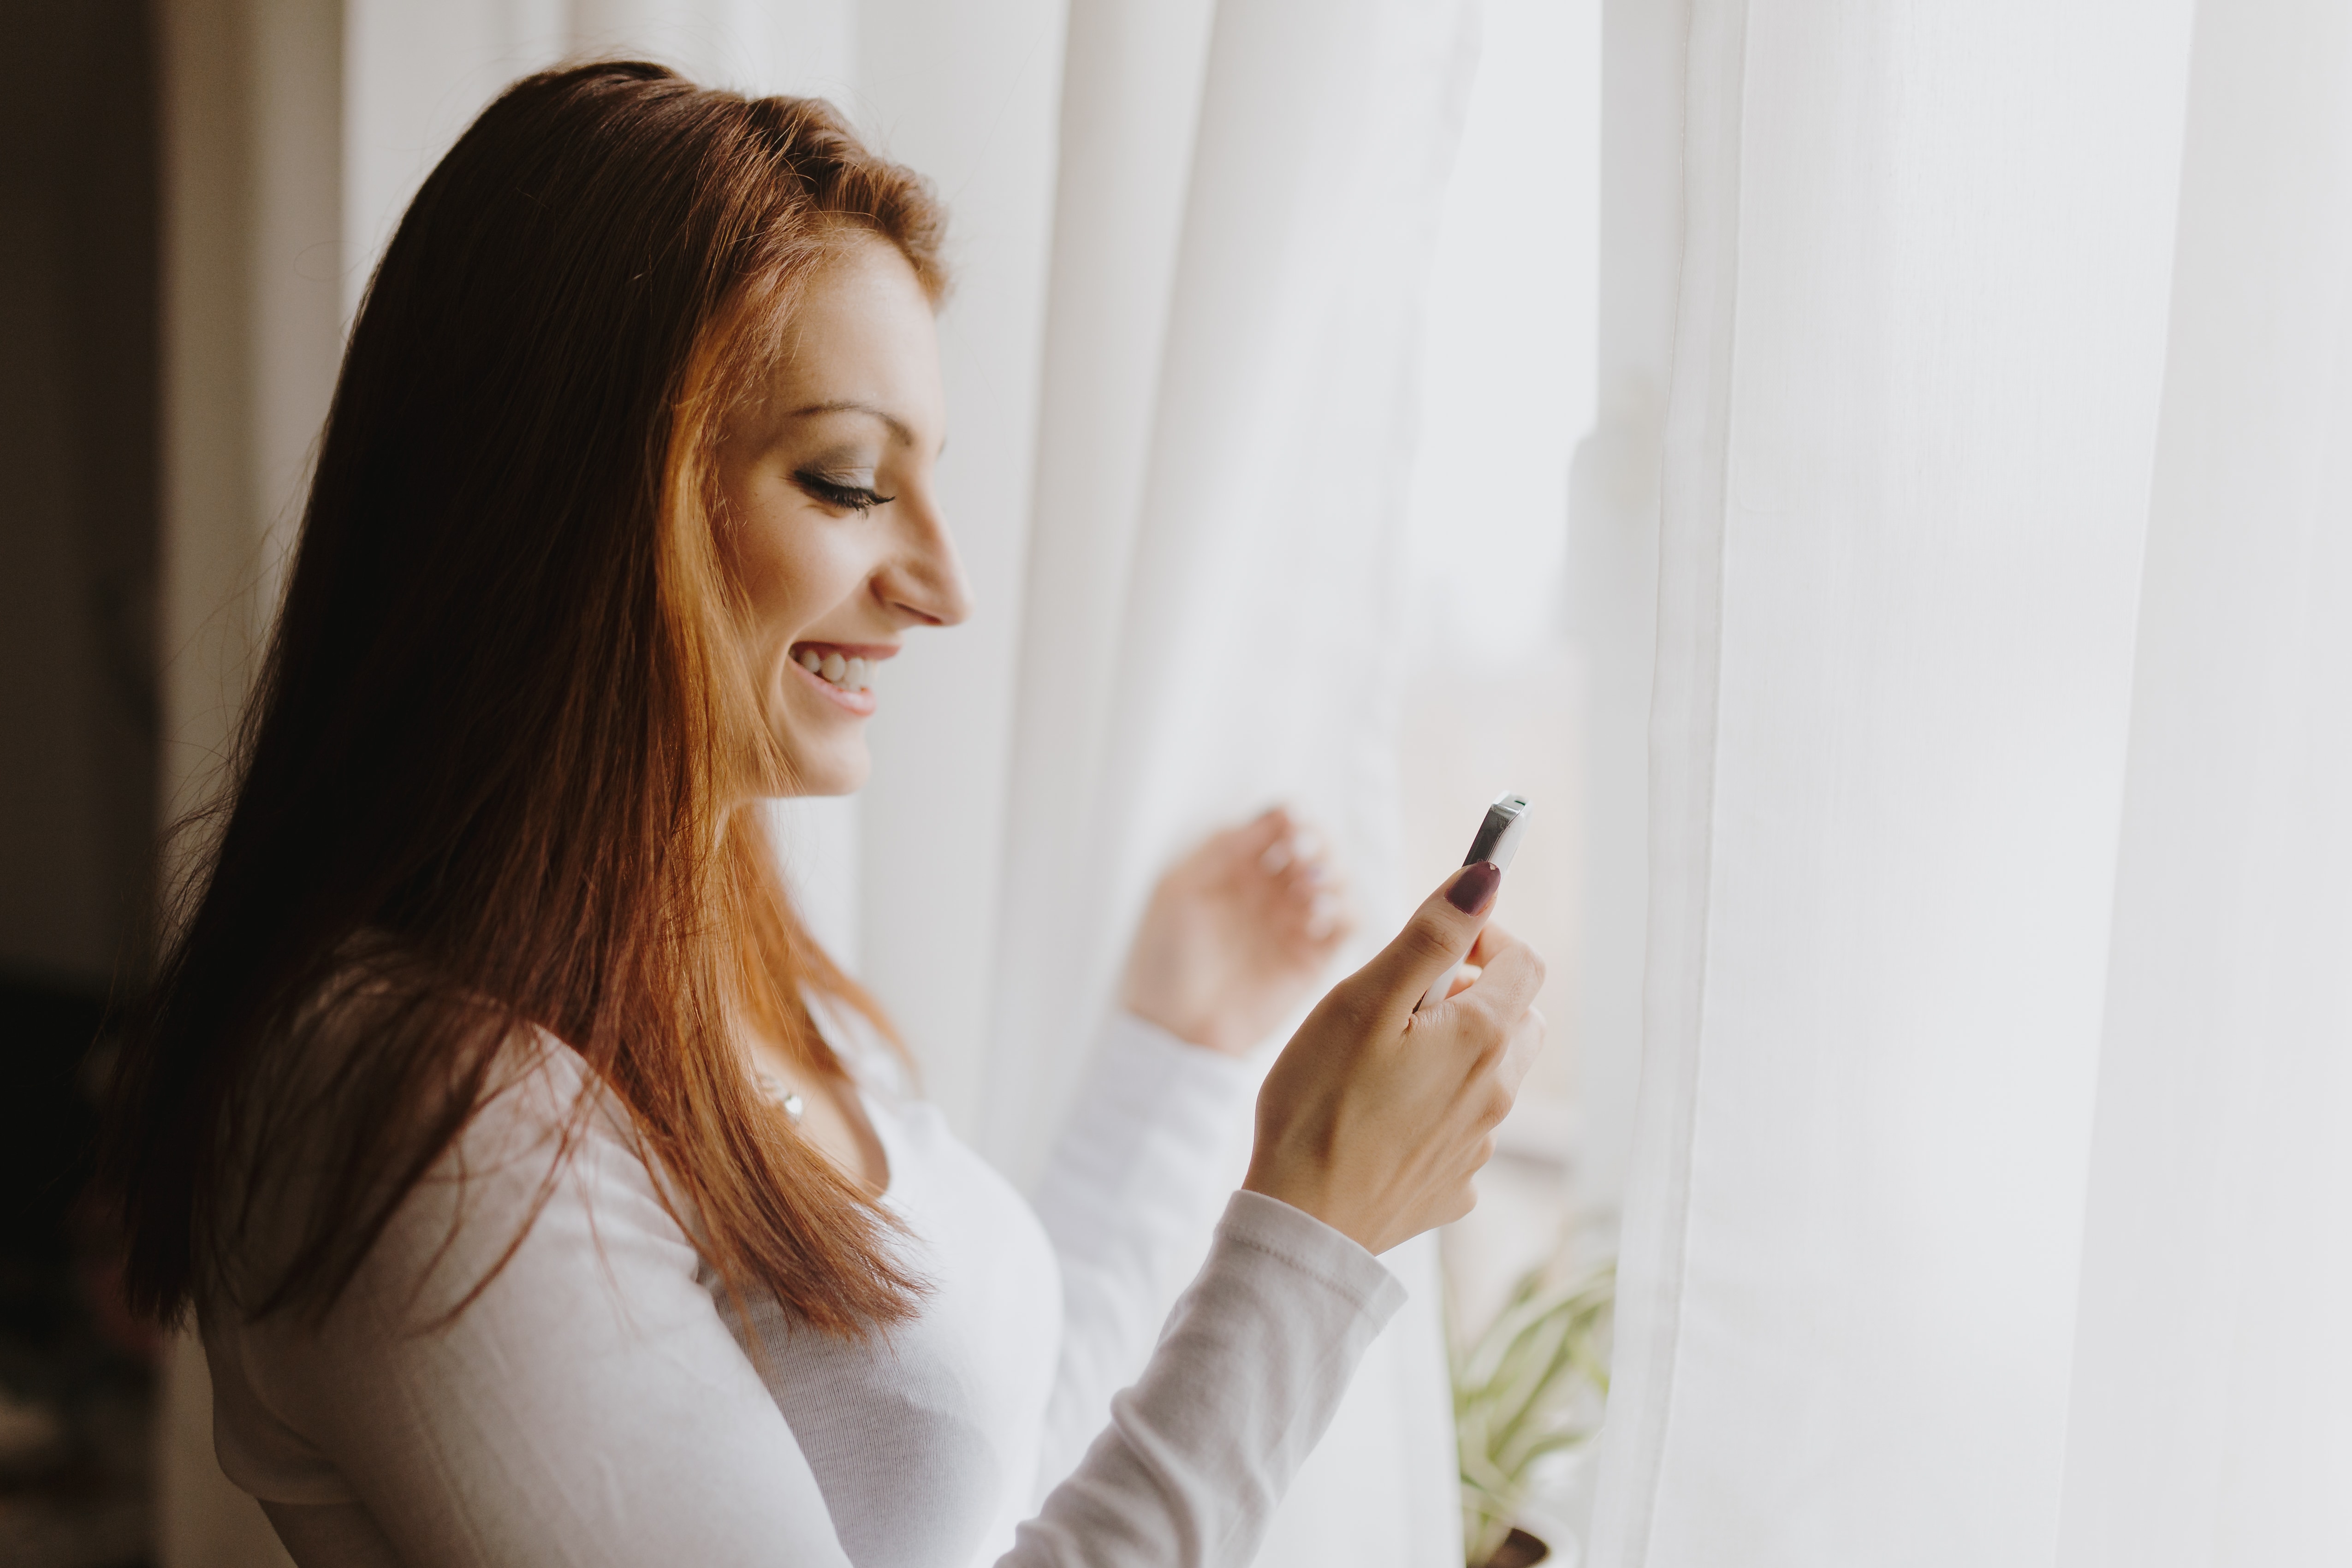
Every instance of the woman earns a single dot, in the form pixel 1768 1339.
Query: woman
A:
pixel 543 1192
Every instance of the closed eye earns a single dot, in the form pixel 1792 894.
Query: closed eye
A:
pixel 839 494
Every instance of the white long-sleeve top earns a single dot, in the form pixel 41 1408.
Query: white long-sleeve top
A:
pixel 603 1402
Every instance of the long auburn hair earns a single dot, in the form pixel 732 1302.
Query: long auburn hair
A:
pixel 483 781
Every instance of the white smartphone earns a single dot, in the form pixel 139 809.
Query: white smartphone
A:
pixel 1497 839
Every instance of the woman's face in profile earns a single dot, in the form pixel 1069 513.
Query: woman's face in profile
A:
pixel 836 538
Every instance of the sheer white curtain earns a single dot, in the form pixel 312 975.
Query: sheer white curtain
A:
pixel 1247 212
pixel 1990 1200
pixel 2211 1418
pixel 1178 358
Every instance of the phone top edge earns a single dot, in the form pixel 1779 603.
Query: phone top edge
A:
pixel 1498 834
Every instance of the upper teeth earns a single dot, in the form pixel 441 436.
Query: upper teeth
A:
pixel 856 674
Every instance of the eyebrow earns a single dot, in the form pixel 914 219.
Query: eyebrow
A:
pixel 851 405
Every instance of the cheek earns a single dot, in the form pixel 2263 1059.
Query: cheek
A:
pixel 771 590
pixel 790 571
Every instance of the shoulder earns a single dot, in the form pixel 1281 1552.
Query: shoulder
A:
pixel 547 1167
pixel 396 1136
pixel 531 1283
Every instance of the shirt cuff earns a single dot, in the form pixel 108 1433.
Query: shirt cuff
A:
pixel 1328 1256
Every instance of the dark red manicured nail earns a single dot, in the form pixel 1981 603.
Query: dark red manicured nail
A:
pixel 1475 889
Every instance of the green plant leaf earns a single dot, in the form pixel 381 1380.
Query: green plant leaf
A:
pixel 1525 1389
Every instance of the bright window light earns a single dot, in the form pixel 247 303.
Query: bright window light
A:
pixel 1509 379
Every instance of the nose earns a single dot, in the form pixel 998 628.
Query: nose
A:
pixel 924 579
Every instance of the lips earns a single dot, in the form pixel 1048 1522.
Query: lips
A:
pixel 843 672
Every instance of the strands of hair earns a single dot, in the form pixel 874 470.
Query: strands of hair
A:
pixel 483 787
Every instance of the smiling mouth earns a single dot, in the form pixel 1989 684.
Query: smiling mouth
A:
pixel 843 672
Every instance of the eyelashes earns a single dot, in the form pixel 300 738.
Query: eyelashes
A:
pixel 841 497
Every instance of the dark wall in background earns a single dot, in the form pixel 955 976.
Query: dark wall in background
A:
pixel 79 380
pixel 78 724
pixel 78 491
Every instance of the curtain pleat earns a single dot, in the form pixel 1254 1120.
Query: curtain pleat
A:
pixel 1925 289
pixel 2212 1414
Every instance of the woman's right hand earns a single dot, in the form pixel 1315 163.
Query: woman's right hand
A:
pixel 1376 1117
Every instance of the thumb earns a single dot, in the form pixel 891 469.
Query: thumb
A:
pixel 1437 937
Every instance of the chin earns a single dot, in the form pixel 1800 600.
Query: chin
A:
pixel 835 774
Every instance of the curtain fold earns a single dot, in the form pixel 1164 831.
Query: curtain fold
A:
pixel 1131 112
pixel 2211 1413
pixel 1990 1201
pixel 1612 589
pixel 1922 330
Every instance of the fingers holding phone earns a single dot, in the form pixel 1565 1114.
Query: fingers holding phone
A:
pixel 1382 1106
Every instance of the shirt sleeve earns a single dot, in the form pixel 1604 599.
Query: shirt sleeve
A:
pixel 1244 1380
pixel 1128 1198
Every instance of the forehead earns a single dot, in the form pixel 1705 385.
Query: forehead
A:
pixel 862 331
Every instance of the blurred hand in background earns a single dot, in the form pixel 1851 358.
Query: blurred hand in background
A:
pixel 1237 934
